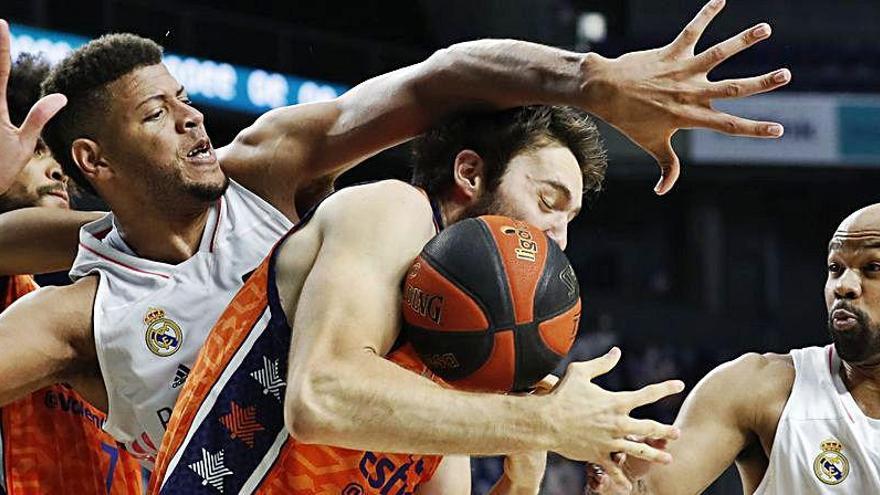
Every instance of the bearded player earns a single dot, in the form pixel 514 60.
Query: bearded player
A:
pixel 50 441
pixel 182 238
pixel 806 422
pixel 330 293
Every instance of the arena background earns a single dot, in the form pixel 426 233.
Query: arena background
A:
pixel 732 260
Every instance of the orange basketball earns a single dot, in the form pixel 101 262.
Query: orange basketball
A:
pixel 491 304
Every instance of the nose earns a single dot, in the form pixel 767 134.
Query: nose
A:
pixel 848 285
pixel 189 118
pixel 559 233
pixel 54 172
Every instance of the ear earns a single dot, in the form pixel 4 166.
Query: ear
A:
pixel 468 174
pixel 89 157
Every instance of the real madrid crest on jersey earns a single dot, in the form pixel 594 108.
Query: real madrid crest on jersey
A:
pixel 831 466
pixel 164 336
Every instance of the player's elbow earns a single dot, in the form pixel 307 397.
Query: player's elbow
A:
pixel 309 414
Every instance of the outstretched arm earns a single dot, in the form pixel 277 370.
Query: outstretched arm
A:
pixel 647 95
pixel 719 419
pixel 40 240
pixel 347 317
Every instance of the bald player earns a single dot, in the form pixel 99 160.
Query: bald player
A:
pixel 806 422
pixel 153 277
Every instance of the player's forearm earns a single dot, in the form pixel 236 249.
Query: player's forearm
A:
pixel 373 404
pixel 503 74
pixel 40 240
pixel 508 73
pixel 483 74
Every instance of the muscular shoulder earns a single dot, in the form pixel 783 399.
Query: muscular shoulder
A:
pixel 60 318
pixel 765 375
pixel 67 308
pixel 754 386
pixel 390 205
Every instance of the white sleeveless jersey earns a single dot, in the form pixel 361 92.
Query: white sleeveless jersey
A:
pixel 151 318
pixel 824 443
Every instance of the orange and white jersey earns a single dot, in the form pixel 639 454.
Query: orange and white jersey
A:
pixel 227 434
pixel 151 318
pixel 824 443
pixel 51 441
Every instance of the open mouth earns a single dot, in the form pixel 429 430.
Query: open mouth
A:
pixel 202 150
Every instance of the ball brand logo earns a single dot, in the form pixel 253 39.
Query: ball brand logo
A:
pixel 442 361
pixel 569 279
pixel 527 249
pixel 163 335
pixel 427 305
pixel 831 466
pixel 414 270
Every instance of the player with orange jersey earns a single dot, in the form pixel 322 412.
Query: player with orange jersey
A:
pixel 51 440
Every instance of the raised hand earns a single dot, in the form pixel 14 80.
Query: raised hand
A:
pixel 592 424
pixel 649 95
pixel 17 144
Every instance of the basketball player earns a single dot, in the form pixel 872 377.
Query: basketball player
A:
pixel 182 238
pixel 335 281
pixel 806 422
pixel 50 441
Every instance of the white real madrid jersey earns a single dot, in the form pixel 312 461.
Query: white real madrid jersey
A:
pixel 151 319
pixel 824 443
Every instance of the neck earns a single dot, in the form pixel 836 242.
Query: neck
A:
pixel 451 210
pixel 863 383
pixel 168 235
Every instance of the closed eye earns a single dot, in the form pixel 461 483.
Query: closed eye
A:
pixel 154 116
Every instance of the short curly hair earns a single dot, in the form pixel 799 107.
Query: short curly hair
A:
pixel 23 88
pixel 499 136
pixel 83 76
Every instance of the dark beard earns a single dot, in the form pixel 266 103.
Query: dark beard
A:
pixel 860 344
pixel 174 188
pixel 489 203
pixel 207 193
pixel 9 202
pixel 14 200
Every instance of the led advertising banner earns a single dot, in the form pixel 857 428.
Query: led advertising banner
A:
pixel 820 129
pixel 208 82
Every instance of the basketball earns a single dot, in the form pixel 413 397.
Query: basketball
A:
pixel 491 304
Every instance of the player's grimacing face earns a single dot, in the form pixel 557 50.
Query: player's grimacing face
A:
pixel 543 187
pixel 852 297
pixel 158 138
